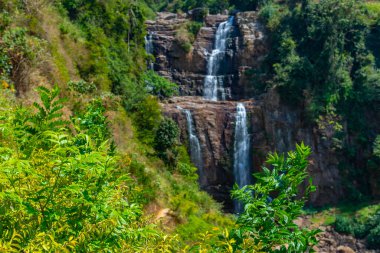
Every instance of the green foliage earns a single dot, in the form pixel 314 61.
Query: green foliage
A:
pixel 316 63
pixel 17 52
pixel 165 141
pixel 193 27
pixel 159 86
pixel 362 224
pixel 187 170
pixel 187 33
pixel 92 122
pixel 343 225
pixel 166 135
pixel 147 119
pixel 82 86
pixel 373 9
pixel 271 14
pixel 56 198
pixel 321 60
pixel 15 41
pixel 48 115
pixel 273 203
pixel 184 166
pixel 114 38
pixel 184 38
pixel 5 20
pixel 373 238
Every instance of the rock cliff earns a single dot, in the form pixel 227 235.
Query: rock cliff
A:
pixel 273 126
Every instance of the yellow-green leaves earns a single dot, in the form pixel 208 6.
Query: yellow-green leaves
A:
pixel 62 192
pixel 273 203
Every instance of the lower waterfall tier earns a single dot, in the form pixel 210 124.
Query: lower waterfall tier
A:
pixel 271 126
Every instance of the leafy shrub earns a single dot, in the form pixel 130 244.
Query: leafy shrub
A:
pixel 56 198
pixel 187 170
pixel 194 27
pixel 19 52
pixel 48 115
pixel 184 38
pixel 247 4
pixel 343 225
pixel 147 118
pixel 5 20
pixel 92 122
pixel 184 164
pixel 159 86
pixel 272 204
pixel 271 16
pixel 361 227
pixel 82 86
pixel 63 29
pixel 166 135
pixel 215 6
pixel 373 239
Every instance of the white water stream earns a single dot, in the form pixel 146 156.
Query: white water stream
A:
pixel 213 83
pixel 241 168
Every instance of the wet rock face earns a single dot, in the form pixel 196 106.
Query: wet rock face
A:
pixel 246 43
pixel 214 126
pixel 284 127
pixel 272 127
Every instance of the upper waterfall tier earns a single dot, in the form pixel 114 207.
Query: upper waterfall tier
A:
pixel 149 48
pixel 221 54
pixel 214 81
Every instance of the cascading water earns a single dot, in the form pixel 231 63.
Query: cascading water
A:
pixel 195 147
pixel 241 151
pixel 149 48
pixel 213 83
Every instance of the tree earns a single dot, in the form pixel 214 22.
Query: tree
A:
pixel 165 141
pixel 166 135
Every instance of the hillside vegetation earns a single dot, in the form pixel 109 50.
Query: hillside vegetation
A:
pixel 89 164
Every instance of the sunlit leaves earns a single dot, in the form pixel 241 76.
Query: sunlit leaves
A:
pixel 273 203
pixel 56 198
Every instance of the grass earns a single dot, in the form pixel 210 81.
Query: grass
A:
pixel 327 215
pixel 192 210
pixel 373 8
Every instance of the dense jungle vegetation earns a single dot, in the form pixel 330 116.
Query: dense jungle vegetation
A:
pixel 87 160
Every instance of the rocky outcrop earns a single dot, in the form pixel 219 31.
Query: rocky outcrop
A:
pixel 188 69
pixel 330 241
pixel 284 126
pixel 214 124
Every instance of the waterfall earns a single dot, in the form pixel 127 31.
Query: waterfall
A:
pixel 149 48
pixel 241 168
pixel 195 147
pixel 214 83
